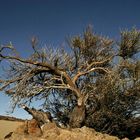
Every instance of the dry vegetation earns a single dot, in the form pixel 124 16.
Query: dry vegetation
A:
pixel 95 82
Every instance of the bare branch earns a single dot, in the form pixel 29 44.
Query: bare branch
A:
pixel 99 63
pixel 75 78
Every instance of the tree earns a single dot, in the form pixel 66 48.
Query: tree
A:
pixel 82 85
pixel 117 99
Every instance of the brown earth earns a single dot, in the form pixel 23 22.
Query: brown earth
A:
pixel 7 127
pixel 51 132
pixel 30 130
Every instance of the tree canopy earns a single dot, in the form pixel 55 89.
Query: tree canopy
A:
pixel 94 82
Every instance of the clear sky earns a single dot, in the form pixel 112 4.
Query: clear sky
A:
pixel 53 20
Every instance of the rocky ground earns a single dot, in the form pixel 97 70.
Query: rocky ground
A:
pixel 30 130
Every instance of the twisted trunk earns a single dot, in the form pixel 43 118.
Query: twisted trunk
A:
pixel 77 116
pixel 40 116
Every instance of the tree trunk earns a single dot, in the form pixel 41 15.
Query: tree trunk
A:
pixel 40 116
pixel 77 117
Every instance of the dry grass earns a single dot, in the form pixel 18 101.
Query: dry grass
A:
pixel 7 126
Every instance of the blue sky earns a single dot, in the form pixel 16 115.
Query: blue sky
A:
pixel 53 20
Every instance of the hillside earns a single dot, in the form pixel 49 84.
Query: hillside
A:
pixel 10 118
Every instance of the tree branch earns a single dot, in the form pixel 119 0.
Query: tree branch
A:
pixel 48 68
pixel 75 78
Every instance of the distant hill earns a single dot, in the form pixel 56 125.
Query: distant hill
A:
pixel 8 118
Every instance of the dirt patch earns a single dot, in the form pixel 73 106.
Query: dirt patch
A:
pixel 51 132
pixel 7 127
pixel 29 130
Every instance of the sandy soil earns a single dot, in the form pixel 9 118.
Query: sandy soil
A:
pixel 7 126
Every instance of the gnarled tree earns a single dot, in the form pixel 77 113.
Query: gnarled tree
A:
pixel 50 70
pixel 82 85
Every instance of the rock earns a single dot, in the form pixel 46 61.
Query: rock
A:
pixel 8 135
pixel 137 138
pixel 50 131
pixel 29 128
pixel 125 139
pixel 33 128
pixel 16 136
